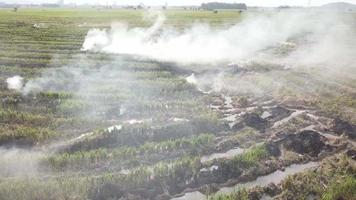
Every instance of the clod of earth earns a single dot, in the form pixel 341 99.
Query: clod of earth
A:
pixel 305 142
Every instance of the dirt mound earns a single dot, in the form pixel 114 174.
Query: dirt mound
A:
pixel 351 153
pixel 278 113
pixel 340 126
pixel 255 121
pixel 305 142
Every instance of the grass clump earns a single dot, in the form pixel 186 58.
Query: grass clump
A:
pixel 92 158
pixel 239 194
pixel 333 180
pixel 252 156
pixel 343 189
pixel 31 135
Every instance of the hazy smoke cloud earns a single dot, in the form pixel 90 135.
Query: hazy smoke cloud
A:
pixel 323 42
pixel 319 37
pixel 283 42
pixel 93 83
pixel 60 79
pixel 19 162
pixel 14 83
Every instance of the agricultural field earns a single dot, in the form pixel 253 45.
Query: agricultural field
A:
pixel 131 104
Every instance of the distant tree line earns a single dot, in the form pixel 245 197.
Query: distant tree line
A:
pixel 217 5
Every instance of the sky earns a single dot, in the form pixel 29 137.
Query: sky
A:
pixel 187 2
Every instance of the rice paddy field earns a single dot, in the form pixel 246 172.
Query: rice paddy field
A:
pixel 100 125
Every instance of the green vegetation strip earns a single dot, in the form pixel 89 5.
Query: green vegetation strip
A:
pixel 87 158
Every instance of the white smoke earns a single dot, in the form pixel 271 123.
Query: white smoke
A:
pixel 19 162
pixel 297 40
pixel 15 83
pixel 191 79
pixel 97 39
pixel 325 37
pixel 59 79
pixel 320 44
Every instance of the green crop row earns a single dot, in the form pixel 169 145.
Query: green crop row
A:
pixel 93 157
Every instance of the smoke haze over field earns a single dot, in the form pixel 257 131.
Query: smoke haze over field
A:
pixel 19 162
pixel 102 102
pixel 315 38
pixel 298 40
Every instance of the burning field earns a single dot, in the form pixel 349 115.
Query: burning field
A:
pixel 124 104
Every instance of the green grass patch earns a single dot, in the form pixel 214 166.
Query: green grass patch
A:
pixel 251 157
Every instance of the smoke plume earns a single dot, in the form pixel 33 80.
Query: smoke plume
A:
pixel 260 54
pixel 19 162
pixel 313 38
pixel 15 83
